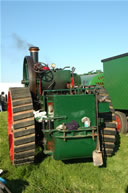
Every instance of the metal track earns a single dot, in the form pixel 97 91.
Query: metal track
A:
pixel 21 126
pixel 108 132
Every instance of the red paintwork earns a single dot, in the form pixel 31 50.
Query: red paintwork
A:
pixel 10 133
pixel 118 123
pixel 45 68
pixel 72 81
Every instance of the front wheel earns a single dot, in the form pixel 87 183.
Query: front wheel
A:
pixel 122 125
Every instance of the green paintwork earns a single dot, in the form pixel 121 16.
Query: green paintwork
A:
pixel 74 148
pixel 75 107
pixel 74 144
pixel 103 107
pixel 60 77
pixel 25 74
pixel 77 143
pixel 116 81
pixel 92 79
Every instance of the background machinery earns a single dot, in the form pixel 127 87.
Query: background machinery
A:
pixel 53 111
pixel 92 78
pixel 115 81
pixel 116 84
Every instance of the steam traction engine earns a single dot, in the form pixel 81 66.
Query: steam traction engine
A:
pixel 53 111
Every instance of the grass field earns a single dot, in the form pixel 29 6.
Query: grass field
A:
pixel 50 176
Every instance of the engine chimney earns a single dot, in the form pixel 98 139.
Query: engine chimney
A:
pixel 34 53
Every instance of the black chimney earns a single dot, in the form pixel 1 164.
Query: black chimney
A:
pixel 34 53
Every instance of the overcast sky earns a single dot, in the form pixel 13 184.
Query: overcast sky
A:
pixel 69 33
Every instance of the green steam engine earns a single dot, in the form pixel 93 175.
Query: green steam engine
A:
pixel 53 110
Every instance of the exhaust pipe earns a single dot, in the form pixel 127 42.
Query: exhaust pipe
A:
pixel 34 53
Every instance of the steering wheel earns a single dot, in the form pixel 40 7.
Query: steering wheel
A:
pixel 47 76
pixel 43 71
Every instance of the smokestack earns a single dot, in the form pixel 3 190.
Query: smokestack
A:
pixel 34 53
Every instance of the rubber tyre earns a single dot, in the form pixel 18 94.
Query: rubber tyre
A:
pixel 122 125
pixel 21 126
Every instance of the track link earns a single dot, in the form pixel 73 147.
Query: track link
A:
pixel 108 132
pixel 21 126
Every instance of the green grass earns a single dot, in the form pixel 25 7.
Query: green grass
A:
pixel 50 176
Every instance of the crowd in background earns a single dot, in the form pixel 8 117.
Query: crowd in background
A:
pixel 3 101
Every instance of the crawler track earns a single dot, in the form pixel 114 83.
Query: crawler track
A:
pixel 108 132
pixel 21 126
